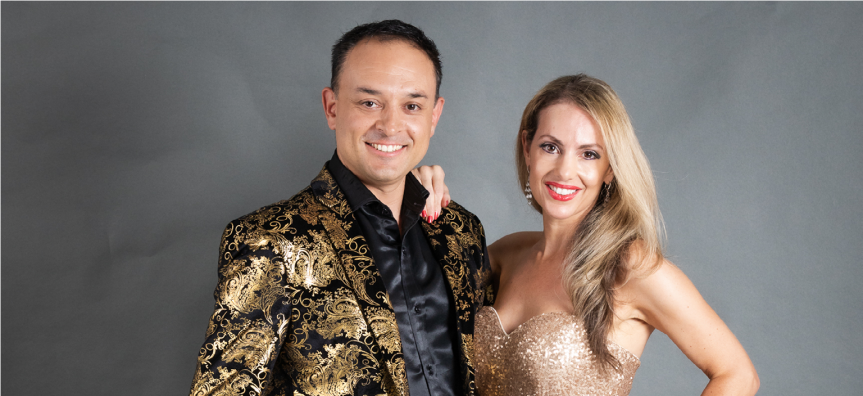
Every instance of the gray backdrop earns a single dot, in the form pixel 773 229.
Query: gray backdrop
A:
pixel 133 132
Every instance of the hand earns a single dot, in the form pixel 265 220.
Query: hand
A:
pixel 431 178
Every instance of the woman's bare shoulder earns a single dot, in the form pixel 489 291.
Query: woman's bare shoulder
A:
pixel 640 262
pixel 650 278
pixel 505 249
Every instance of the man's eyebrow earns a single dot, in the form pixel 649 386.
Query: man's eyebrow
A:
pixel 368 91
pixel 412 95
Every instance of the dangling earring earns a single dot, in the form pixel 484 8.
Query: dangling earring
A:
pixel 527 193
pixel 607 189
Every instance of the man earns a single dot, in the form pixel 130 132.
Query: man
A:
pixel 343 289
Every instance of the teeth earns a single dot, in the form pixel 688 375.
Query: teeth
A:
pixel 562 191
pixel 387 148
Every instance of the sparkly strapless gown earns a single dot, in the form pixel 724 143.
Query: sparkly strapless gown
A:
pixel 547 355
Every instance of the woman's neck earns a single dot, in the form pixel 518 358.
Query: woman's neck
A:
pixel 556 241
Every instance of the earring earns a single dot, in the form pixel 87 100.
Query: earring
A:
pixel 607 188
pixel 527 193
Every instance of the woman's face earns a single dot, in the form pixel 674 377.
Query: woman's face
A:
pixel 568 162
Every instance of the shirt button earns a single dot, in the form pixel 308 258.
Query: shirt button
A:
pixel 417 310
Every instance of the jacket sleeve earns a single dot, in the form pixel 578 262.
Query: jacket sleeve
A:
pixel 251 317
pixel 487 284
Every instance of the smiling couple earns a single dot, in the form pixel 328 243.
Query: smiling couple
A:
pixel 365 283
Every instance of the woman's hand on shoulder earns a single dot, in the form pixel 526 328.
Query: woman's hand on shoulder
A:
pixel 667 300
pixel 431 178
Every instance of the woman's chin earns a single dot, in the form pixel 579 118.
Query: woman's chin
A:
pixel 561 214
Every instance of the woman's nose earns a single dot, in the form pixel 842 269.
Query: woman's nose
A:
pixel 567 166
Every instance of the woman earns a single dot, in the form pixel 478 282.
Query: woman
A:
pixel 577 302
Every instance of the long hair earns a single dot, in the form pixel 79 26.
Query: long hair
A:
pixel 625 212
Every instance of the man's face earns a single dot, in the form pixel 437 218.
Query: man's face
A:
pixel 385 112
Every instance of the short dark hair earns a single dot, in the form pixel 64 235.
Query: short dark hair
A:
pixel 391 29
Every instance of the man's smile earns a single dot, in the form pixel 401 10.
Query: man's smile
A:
pixel 387 148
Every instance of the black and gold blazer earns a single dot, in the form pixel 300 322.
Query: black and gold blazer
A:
pixel 302 310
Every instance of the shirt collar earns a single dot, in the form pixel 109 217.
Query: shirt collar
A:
pixel 358 195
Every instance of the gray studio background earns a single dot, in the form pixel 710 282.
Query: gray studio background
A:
pixel 133 132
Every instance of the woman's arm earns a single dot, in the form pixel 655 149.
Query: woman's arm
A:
pixel 431 178
pixel 668 301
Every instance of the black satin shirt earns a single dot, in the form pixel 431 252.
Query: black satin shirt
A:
pixel 422 302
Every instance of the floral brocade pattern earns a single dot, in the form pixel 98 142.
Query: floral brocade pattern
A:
pixel 302 310
pixel 548 355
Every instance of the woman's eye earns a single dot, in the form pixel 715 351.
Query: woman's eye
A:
pixel 549 148
pixel 589 154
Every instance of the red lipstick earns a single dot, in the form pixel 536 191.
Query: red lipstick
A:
pixel 560 197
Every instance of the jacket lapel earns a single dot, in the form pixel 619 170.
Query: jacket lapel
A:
pixel 361 275
pixel 452 244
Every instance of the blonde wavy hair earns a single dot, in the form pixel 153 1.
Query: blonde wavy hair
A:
pixel 630 213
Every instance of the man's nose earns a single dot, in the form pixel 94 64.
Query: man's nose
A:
pixel 391 121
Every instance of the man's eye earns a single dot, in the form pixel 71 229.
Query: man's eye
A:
pixel 413 107
pixel 368 103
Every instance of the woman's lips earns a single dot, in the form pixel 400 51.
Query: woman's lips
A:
pixel 561 192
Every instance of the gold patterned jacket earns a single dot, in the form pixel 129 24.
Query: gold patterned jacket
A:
pixel 302 310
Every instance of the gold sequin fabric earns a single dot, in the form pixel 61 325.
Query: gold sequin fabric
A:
pixel 547 355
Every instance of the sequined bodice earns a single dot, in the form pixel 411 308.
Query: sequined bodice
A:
pixel 547 355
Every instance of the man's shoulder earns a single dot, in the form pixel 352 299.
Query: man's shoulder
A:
pixel 455 219
pixel 461 212
pixel 303 204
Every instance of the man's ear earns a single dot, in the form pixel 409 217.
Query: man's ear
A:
pixel 328 99
pixel 438 109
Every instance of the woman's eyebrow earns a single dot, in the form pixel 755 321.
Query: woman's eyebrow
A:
pixel 581 147
pixel 591 146
pixel 552 138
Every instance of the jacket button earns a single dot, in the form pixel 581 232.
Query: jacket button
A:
pixel 417 308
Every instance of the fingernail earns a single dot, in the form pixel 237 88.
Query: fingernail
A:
pixel 446 203
pixel 436 214
pixel 423 214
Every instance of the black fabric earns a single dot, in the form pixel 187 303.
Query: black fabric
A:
pixel 424 308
